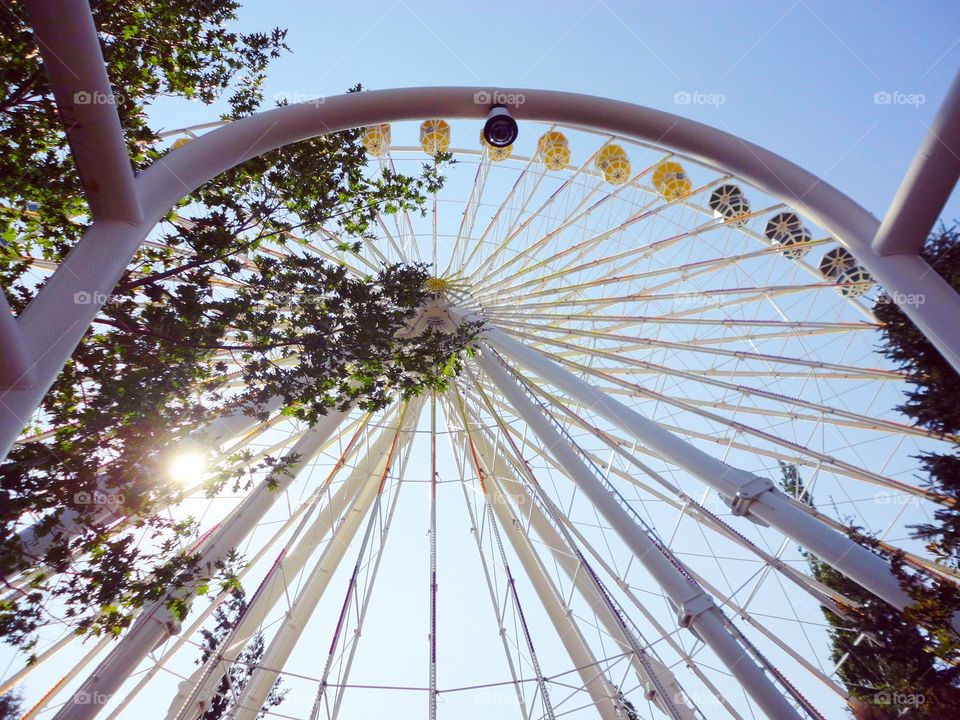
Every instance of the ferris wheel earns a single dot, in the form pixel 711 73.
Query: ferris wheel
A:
pixel 599 528
pixel 588 522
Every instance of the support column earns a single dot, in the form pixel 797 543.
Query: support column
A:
pixel 698 611
pixel 156 624
pixel 749 494
pixel 258 687
pixel 570 564
pixel 927 185
pixel 197 690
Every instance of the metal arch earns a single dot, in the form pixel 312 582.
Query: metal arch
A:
pixel 49 335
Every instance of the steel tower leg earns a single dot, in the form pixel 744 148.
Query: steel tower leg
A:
pixel 200 686
pixel 749 494
pixel 698 611
pixel 262 680
pixel 156 624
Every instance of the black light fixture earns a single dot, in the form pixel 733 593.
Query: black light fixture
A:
pixel 500 129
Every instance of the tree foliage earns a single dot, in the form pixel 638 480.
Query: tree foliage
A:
pixel 234 278
pixel 895 665
pixel 932 402
pixel 11 705
pixel 236 677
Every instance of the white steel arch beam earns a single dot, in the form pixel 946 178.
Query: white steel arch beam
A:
pixel 97 262
pixel 70 46
pixel 927 184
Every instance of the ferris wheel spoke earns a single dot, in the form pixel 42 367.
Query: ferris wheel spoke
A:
pixel 686 271
pixel 727 601
pixel 519 230
pixel 370 581
pixel 623 260
pixel 195 695
pixel 711 298
pixel 582 247
pixel 624 343
pixel 408 250
pixel 765 502
pixel 513 206
pixel 477 525
pixel 578 216
pixel 595 682
pixel 706 619
pixel 469 219
pixel 155 624
pixel 809 455
pixel 394 245
pixel 682 502
pixel 707 377
pixel 698 322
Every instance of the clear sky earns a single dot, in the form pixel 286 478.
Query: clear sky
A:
pixel 799 78
pixel 845 89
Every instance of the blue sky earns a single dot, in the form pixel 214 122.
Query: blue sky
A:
pixel 799 78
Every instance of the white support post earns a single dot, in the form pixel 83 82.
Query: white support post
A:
pixel 698 612
pixel 16 362
pixel 156 624
pixel 551 538
pixel 70 46
pixel 602 693
pixel 262 680
pixel 500 482
pixel 748 494
pixel 196 691
pixel 927 185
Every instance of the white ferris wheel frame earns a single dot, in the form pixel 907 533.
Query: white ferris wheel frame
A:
pixel 125 208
